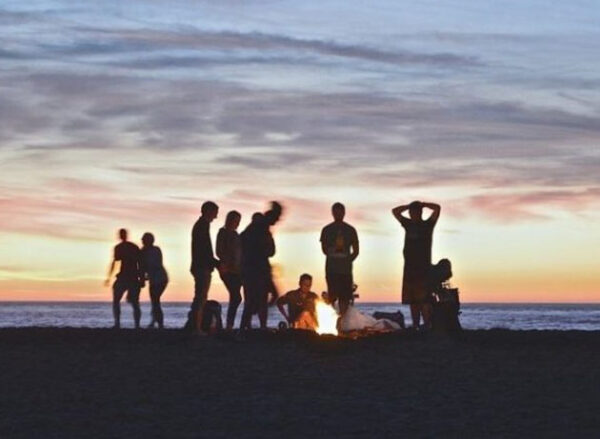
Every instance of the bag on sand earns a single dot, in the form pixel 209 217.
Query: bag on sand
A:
pixel 446 309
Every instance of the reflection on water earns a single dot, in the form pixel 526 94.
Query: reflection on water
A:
pixel 474 316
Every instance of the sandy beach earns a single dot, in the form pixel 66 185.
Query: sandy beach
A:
pixel 104 383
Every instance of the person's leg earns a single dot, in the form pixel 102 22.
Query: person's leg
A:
pixel 415 312
pixel 152 293
pixel 118 291
pixel 192 313
pixel 133 297
pixel 426 310
pixel 156 290
pixel 233 284
pixel 272 289
pixel 263 305
pixel 203 296
pixel 344 284
pixel 159 312
pixel 246 322
pixel 332 293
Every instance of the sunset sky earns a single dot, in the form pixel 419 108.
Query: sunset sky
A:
pixel 132 113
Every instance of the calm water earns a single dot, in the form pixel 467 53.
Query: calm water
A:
pixel 474 316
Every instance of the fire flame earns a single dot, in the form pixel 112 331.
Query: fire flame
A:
pixel 327 318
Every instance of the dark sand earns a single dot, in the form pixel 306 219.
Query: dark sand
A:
pixel 100 383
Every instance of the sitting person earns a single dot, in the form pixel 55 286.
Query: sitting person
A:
pixel 301 312
pixel 445 300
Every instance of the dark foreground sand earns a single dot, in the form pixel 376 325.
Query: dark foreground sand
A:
pixel 100 383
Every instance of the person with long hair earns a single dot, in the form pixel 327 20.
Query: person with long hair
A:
pixel 154 272
pixel 229 252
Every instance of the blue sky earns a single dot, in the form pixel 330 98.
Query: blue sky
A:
pixel 131 113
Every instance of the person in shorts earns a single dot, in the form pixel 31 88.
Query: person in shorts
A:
pixel 129 278
pixel 339 243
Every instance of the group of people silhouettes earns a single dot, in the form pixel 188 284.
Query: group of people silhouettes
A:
pixel 242 261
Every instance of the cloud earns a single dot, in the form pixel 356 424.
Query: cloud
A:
pixel 533 205
pixel 144 40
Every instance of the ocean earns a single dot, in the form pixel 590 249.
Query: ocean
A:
pixel 563 317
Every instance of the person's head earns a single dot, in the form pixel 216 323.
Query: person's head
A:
pixel 232 221
pixel 305 283
pixel 415 210
pixel 148 239
pixel 338 210
pixel 444 269
pixel 123 234
pixel 209 211
pixel 257 217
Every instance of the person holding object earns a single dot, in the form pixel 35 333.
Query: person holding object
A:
pixel 203 264
pixel 156 275
pixel 129 278
pixel 339 242
pixel 417 258
pixel 301 305
pixel 229 252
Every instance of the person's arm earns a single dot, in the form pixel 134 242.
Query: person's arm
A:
pixel 436 211
pixel 223 250
pixel 281 302
pixel 142 266
pixel 270 245
pixel 324 248
pixel 397 212
pixel 354 246
pixel 221 245
pixel 111 268
pixel 141 269
pixel 194 265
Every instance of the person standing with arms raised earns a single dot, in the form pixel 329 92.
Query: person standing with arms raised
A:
pixel 417 258
pixel 339 242
pixel 203 264
pixel 129 278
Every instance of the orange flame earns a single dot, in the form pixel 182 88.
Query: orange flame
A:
pixel 327 318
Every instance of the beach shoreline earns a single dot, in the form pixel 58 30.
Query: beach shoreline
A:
pixel 69 382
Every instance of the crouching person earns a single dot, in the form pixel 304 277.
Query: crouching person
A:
pixel 301 303
pixel 446 301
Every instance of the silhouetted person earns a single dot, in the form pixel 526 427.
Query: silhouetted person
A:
pixel 339 242
pixel 156 275
pixel 417 258
pixel 446 303
pixel 211 317
pixel 229 252
pixel 257 247
pixel 301 305
pixel 273 216
pixel 129 278
pixel 203 264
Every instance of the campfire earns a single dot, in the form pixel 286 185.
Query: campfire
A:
pixel 327 318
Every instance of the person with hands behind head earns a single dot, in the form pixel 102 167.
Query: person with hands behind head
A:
pixel 417 257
